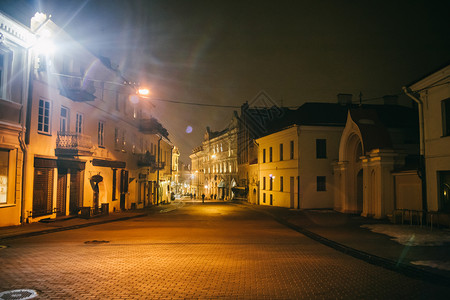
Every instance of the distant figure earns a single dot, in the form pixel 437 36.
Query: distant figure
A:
pixel 203 198
pixel 190 195
pixel 215 196
pixel 195 196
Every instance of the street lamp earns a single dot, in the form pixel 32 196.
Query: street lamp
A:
pixel 143 91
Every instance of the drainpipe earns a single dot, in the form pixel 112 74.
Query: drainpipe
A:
pixel 421 169
pixel 24 135
pixel 157 171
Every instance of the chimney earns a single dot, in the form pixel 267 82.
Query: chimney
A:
pixel 390 100
pixel 344 99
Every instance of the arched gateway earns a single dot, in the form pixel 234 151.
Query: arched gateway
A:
pixel 364 182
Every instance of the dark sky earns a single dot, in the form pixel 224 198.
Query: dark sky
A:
pixel 225 52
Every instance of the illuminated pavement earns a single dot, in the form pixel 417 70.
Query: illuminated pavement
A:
pixel 198 251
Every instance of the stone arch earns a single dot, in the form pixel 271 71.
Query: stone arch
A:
pixel 350 175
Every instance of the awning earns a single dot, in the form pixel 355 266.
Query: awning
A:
pixel 108 163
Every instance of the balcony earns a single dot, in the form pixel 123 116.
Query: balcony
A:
pixel 73 144
pixel 149 160
pixel 77 90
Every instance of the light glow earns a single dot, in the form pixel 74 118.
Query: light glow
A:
pixel 144 92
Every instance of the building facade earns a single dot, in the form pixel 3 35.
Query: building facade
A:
pixel 214 164
pixel 432 94
pixel 378 144
pixel 16 42
pixel 92 145
pixel 295 166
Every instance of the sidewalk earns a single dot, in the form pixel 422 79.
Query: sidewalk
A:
pixel 68 223
pixel 415 251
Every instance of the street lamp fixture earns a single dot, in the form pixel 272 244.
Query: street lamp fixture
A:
pixel 143 92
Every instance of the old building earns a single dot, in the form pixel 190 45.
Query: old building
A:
pixel 295 157
pixel 253 122
pixel 92 144
pixel 197 171
pixel 16 42
pixel 378 143
pixel 216 158
pixel 432 95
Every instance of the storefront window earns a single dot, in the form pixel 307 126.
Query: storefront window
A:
pixel 4 160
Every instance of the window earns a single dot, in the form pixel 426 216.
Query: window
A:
pixel 321 183
pixel 123 143
pixel 270 154
pixel 281 183
pixel 117 100
pixel 4 167
pixel 64 120
pixel 79 123
pixel 2 76
pixel 281 151
pixel 116 138
pixel 321 148
pixel 445 106
pixel 264 183
pixel 264 197
pixel 270 183
pixel 264 155
pixel 44 116
pixel 114 184
pixel 5 66
pixel 292 150
pixel 444 191
pixel 271 199
pixel 101 134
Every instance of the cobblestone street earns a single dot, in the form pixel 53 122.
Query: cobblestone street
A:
pixel 198 251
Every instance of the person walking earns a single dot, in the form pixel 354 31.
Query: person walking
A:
pixel 203 198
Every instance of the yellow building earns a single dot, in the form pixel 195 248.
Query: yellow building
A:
pixel 92 145
pixel 295 166
pixel 15 45
pixel 432 94
pixel 214 163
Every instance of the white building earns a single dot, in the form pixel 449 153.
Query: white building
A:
pixel 377 158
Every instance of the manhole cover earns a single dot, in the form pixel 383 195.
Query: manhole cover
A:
pixel 96 242
pixel 18 294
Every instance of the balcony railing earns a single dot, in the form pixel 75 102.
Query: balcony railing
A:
pixel 149 160
pixel 73 144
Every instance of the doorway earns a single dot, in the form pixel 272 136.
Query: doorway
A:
pixel 61 192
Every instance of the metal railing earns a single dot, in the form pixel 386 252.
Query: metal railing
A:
pixel 411 215
pixel 73 140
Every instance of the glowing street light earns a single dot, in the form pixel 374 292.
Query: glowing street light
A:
pixel 143 92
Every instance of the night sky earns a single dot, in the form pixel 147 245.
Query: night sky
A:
pixel 225 52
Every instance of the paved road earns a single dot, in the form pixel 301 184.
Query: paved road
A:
pixel 209 251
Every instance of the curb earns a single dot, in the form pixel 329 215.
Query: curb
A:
pixel 405 269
